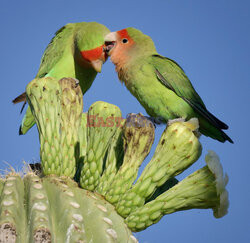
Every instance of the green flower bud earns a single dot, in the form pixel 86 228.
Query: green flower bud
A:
pixel 203 189
pixel 177 149
pixel 138 139
pixel 103 121
pixel 57 108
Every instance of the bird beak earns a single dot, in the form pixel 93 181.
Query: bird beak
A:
pixel 97 65
pixel 110 42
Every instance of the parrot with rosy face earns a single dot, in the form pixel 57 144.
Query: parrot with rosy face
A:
pixel 76 51
pixel 159 83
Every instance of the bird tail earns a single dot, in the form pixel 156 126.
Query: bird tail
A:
pixel 210 130
pixel 20 98
pixel 226 137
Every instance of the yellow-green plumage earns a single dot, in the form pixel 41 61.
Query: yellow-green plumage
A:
pixel 62 58
pixel 159 83
pixel 59 59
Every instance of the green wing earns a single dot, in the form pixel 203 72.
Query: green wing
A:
pixel 27 122
pixel 55 49
pixel 171 75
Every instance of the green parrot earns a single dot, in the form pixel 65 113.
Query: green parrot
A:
pixel 76 51
pixel 159 83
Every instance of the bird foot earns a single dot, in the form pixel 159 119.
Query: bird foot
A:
pixel 155 120
pixel 197 133
pixel 170 122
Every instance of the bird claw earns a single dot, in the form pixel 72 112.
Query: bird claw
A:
pixel 170 122
pixel 155 120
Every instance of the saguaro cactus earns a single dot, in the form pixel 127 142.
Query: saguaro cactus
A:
pixel 53 209
pixel 57 108
pixel 103 152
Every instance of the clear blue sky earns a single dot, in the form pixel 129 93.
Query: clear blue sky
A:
pixel 209 39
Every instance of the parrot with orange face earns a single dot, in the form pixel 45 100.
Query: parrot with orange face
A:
pixel 76 51
pixel 159 83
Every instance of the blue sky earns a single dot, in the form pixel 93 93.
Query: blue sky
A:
pixel 209 39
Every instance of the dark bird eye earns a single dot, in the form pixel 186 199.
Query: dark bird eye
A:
pixel 124 40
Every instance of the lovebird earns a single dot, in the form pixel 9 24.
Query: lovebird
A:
pixel 76 51
pixel 159 83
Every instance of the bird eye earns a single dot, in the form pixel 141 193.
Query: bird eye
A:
pixel 124 40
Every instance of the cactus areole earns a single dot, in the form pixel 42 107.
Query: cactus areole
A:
pixel 88 189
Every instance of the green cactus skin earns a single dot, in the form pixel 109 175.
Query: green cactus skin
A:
pixel 177 149
pixel 81 147
pixel 56 106
pixel 167 185
pixel 54 209
pixel 71 116
pixel 82 136
pixel 113 161
pixel 27 122
pixel 11 209
pixel 38 209
pixel 138 140
pixel 104 119
pixel 104 157
pixel 198 190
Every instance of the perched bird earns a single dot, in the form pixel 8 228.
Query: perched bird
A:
pixel 76 51
pixel 159 83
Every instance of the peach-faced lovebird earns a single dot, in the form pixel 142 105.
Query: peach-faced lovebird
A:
pixel 159 83
pixel 76 51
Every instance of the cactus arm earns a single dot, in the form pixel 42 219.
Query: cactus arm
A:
pixel 57 108
pixel 177 149
pixel 198 190
pixel 45 106
pixel 71 117
pixel 113 162
pixel 138 139
pixel 102 126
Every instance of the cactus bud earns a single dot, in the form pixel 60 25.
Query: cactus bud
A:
pixel 203 189
pixel 103 121
pixel 138 139
pixel 177 149
pixel 57 108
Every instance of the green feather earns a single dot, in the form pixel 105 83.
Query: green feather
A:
pixel 59 58
pixel 163 89
pixel 173 77
pixel 55 50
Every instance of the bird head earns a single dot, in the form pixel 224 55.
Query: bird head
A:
pixel 128 43
pixel 90 43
